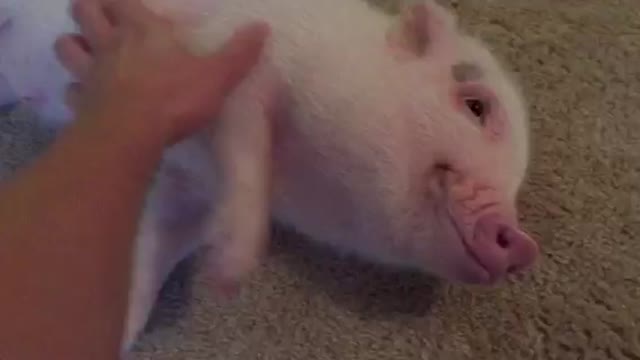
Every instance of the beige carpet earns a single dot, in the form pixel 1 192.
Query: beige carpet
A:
pixel 580 62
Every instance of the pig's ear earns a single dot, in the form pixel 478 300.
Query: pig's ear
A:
pixel 421 28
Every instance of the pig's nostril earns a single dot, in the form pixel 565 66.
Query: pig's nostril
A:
pixel 501 246
pixel 503 240
pixel 443 166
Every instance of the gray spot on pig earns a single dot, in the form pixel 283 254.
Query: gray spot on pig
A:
pixel 465 72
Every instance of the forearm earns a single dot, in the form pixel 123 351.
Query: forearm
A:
pixel 93 182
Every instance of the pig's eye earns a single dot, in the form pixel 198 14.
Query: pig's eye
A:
pixel 478 108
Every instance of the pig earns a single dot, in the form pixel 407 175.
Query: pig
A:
pixel 399 139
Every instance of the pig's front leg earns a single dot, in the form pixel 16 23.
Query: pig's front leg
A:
pixel 237 230
pixel 169 231
pixel 146 279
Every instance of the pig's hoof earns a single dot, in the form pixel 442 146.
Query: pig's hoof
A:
pixel 228 290
pixel 225 289
pixel 222 278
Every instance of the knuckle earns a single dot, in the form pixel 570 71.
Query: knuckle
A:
pixel 59 44
pixel 62 48
pixel 80 8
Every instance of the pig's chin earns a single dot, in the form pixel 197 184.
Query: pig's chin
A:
pixel 467 268
pixel 454 261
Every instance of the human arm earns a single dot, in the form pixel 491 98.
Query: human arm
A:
pixel 67 221
pixel 66 225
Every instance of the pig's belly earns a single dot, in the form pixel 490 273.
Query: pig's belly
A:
pixel 27 60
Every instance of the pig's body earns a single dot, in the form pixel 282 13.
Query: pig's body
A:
pixel 367 148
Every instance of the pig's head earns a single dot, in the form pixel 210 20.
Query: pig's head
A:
pixel 473 125
pixel 428 176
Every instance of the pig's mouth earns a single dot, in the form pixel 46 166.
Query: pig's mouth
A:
pixel 481 270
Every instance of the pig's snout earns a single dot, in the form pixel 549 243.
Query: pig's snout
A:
pixel 502 248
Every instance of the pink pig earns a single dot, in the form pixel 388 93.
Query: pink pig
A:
pixel 402 140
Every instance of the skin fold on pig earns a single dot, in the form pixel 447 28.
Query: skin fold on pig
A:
pixel 400 139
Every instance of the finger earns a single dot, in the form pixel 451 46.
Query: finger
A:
pixel 240 54
pixel 92 21
pixel 130 12
pixel 73 54
pixel 72 95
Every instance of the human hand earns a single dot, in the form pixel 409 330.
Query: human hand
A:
pixel 131 69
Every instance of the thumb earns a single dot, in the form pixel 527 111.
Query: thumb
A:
pixel 239 55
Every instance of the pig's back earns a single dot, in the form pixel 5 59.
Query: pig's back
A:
pixel 306 33
pixel 309 37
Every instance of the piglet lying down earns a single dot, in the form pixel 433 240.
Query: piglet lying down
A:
pixel 401 140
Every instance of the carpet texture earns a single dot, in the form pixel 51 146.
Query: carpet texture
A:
pixel 579 61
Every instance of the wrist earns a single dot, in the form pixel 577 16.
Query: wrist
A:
pixel 121 141
pixel 127 127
